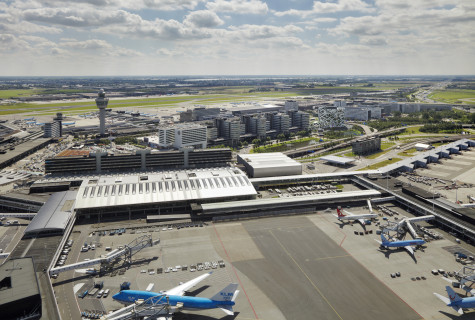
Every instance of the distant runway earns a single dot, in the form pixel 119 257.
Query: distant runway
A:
pixel 308 276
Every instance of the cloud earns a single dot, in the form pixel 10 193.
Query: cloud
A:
pixel 10 43
pixel 203 19
pixel 239 6
pixel 159 5
pixel 320 7
pixel 253 32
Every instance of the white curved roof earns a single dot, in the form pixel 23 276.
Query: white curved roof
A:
pixel 55 214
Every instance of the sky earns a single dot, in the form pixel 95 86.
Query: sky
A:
pixel 236 37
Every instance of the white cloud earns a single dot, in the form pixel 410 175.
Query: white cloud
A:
pixel 320 7
pixel 254 32
pixel 239 6
pixel 203 19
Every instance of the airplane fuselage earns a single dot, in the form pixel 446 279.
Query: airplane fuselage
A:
pixel 357 217
pixel 130 296
pixel 404 243
pixel 465 303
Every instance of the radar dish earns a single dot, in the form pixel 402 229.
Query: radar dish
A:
pixel 101 93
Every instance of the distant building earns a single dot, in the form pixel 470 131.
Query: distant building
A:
pixel 331 117
pixel 362 113
pixel 280 122
pixel 339 103
pixel 410 107
pixel 179 136
pixel 52 129
pixel 199 114
pixel 300 119
pixel 365 146
pixel 291 105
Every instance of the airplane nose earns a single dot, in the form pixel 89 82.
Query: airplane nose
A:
pixel 116 296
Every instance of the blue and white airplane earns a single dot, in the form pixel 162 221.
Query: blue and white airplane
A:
pixel 455 302
pixel 406 244
pixel 223 300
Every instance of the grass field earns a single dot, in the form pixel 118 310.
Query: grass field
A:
pixel 380 164
pixel 408 152
pixel 454 96
pixel 156 102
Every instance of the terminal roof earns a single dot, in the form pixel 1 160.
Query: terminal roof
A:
pixel 55 214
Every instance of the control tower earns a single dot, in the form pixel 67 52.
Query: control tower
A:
pixel 101 103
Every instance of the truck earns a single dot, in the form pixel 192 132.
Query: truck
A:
pixel 82 294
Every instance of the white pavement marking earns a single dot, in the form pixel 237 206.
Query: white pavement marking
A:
pixel 28 247
pixel 77 287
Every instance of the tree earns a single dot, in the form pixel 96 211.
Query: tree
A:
pixel 256 142
pixel 281 136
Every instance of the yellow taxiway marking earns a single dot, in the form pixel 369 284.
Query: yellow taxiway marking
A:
pixel 305 274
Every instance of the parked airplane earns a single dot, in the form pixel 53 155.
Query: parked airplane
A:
pixel 406 244
pixel 362 218
pixel 223 300
pixel 455 302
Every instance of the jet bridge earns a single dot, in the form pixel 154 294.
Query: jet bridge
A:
pixel 152 308
pixel 108 261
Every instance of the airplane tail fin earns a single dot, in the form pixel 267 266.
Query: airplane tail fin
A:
pixel 383 239
pixel 453 296
pixel 340 213
pixel 227 294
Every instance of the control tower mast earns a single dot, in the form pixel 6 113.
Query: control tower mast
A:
pixel 101 103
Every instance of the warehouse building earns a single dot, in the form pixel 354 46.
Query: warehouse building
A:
pixel 269 164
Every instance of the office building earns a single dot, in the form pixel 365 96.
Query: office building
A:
pixel 280 122
pixel 52 129
pixel 199 114
pixel 182 135
pixel 331 117
pixel 366 146
pixel 291 105
pixel 300 120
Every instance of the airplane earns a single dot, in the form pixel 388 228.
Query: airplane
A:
pixel 455 302
pixel 406 244
pixel 223 300
pixel 351 217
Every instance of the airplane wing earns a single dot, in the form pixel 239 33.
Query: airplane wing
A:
pixel 362 221
pixel 409 249
pixel 180 290
pixel 444 299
